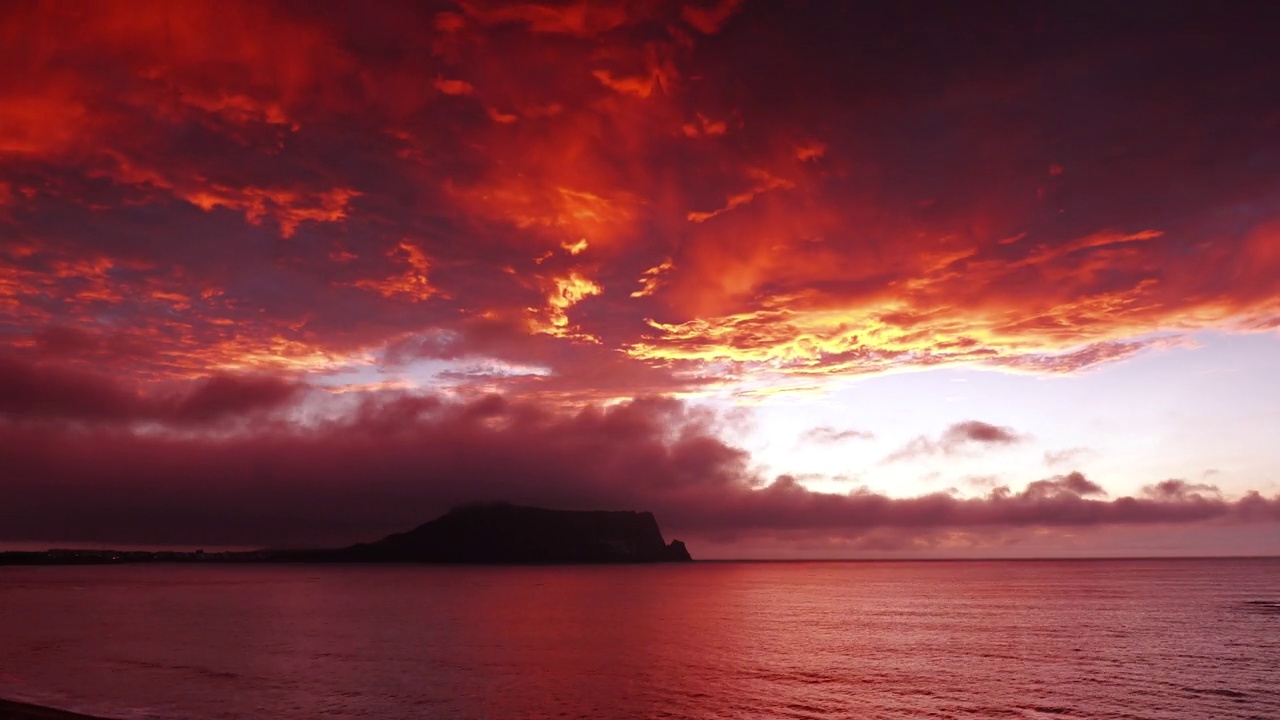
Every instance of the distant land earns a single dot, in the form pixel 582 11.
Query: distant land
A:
pixel 497 533
pixel 10 710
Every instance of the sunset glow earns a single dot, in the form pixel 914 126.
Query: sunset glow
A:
pixel 802 278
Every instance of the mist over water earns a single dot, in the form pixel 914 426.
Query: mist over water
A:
pixel 1088 639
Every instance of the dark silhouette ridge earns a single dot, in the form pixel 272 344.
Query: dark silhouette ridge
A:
pixel 11 710
pixel 497 533
pixel 502 533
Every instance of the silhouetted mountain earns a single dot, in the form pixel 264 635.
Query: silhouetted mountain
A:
pixel 502 533
pixel 497 533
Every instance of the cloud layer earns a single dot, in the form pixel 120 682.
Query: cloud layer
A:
pixel 231 186
pixel 349 469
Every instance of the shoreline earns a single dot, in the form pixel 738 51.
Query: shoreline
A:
pixel 14 710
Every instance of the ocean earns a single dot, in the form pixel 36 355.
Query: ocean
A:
pixel 1158 639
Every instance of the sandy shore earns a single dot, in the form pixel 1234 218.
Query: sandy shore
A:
pixel 10 710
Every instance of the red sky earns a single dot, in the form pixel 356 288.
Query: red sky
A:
pixel 279 272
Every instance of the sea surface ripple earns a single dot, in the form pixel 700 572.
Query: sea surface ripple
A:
pixel 1122 640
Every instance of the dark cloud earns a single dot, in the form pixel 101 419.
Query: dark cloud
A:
pixel 394 459
pixel 223 396
pixel 51 392
pixel 957 437
pixel 1182 490
pixel 1063 457
pixel 826 435
pixel 30 391
pixel 976 431
pixel 391 461
pixel 1073 483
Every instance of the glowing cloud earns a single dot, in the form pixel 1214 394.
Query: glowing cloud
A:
pixel 412 283
pixel 580 203
pixel 650 278
pixel 565 292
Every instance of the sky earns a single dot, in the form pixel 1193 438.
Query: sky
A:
pixel 805 279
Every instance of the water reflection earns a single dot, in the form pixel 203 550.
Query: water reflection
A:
pixel 1159 639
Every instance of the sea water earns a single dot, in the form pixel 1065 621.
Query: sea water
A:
pixel 1022 639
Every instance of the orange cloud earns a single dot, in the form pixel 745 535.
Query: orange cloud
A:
pixel 580 18
pixel 1097 240
pixel 275 59
pixel 704 127
pixel 275 353
pixel 563 212
pixel 412 283
pixel 640 87
pixel 453 87
pixel 289 208
pixel 575 247
pixel 238 108
pixel 764 182
pixel 39 121
pixel 810 151
pixel 564 293
pixel 950 308
pixel 710 18
pixel 75 281
pixel 924 229
pixel 650 279
pixel 501 117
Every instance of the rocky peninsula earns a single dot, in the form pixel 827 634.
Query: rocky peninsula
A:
pixel 501 533
pixel 496 533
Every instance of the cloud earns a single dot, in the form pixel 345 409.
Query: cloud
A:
pixel 826 435
pixel 574 18
pixel 1064 457
pixel 384 461
pixel 392 460
pixel 210 210
pixel 412 283
pixel 228 396
pixel 964 434
pixel 305 204
pixel 1181 490
pixel 983 481
pixel 45 392
pixel 710 17
pixel 976 431
pixel 1071 484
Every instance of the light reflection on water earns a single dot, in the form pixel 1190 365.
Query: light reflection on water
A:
pixel 1086 639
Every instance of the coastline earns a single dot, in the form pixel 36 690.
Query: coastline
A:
pixel 14 710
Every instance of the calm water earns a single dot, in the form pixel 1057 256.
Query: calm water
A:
pixel 1094 639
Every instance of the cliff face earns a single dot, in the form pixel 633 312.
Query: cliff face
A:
pixel 514 534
